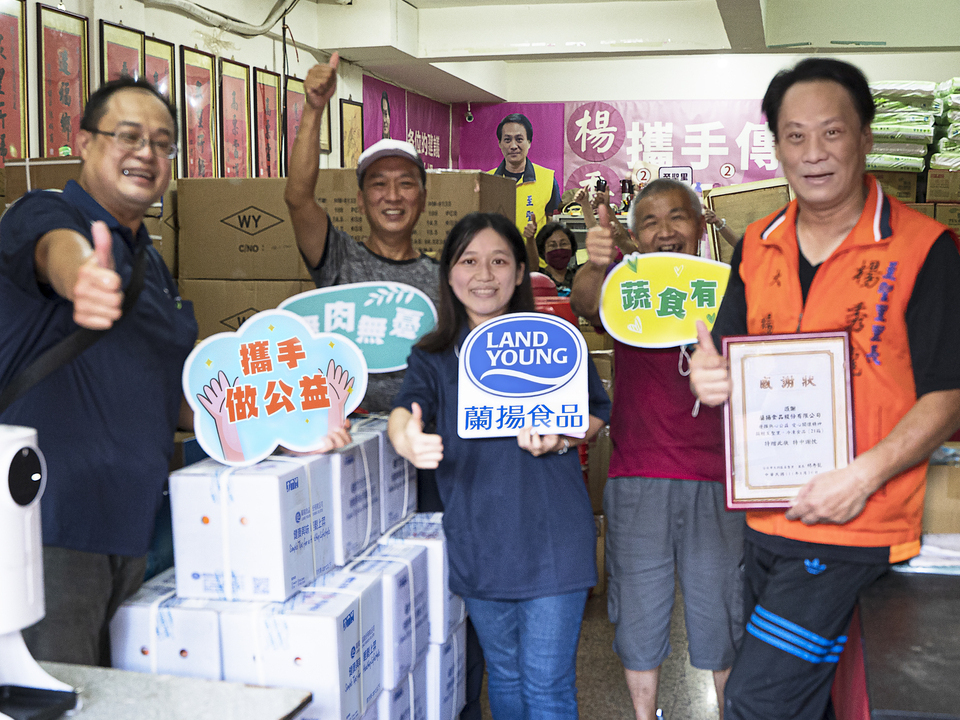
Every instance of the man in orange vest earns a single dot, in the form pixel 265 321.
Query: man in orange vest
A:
pixel 842 256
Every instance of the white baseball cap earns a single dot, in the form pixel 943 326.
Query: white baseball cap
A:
pixel 389 148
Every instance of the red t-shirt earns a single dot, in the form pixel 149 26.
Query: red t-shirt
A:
pixel 653 431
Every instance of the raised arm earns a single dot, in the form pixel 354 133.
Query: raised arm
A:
pixel 83 275
pixel 601 252
pixel 308 217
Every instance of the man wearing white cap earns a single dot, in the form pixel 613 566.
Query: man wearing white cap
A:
pixel 392 194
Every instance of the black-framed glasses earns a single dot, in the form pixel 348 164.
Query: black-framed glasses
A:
pixel 134 141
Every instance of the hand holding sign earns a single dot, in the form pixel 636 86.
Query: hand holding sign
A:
pixel 536 444
pixel 98 291
pixel 709 374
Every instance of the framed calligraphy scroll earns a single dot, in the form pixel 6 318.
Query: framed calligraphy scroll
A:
pixel 64 81
pixel 351 132
pixel 234 119
pixel 197 107
pixel 266 111
pixel 13 81
pixel 121 52
pixel 159 65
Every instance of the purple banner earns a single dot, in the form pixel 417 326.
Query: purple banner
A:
pixel 428 130
pixel 384 111
pixel 479 149
pixel 725 142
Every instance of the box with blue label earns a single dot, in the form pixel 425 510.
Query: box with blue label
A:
pixel 407 701
pixel 242 533
pixel 446 610
pixel 368 591
pixel 311 641
pixel 155 631
pixel 402 570
pixel 355 476
pixel 446 676
pixel 398 477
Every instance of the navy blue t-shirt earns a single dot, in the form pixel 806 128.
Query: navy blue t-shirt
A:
pixel 105 421
pixel 517 526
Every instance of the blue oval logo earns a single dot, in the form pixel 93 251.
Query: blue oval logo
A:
pixel 298 517
pixel 522 355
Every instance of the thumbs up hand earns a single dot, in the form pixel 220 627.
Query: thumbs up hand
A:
pixel 98 292
pixel 425 450
pixel 709 372
pixel 601 246
pixel 321 83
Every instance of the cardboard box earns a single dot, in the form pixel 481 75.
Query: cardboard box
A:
pixel 446 676
pixel 451 194
pixel 595 340
pixel 236 230
pixel 408 701
pixel 224 305
pixel 447 610
pixel 603 361
pixel 312 641
pixel 161 224
pixel 942 186
pixel 928 209
pixel 949 215
pixel 398 477
pixel 367 588
pixel 157 632
pixel 941 512
pixel 598 466
pixel 901 185
pixel 45 174
pixel 402 570
pixel 242 533
pixel 601 586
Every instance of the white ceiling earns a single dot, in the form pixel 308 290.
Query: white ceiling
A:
pixel 442 47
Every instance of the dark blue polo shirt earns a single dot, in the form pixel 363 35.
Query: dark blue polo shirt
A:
pixel 517 526
pixel 105 421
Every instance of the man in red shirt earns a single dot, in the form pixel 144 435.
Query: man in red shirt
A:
pixel 664 500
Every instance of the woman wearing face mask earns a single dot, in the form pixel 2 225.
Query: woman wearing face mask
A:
pixel 556 246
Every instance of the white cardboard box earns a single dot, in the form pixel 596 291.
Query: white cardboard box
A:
pixel 154 631
pixel 311 641
pixel 405 623
pixel 446 676
pixel 355 473
pixel 320 490
pixel 368 589
pixel 447 610
pixel 241 533
pixel 408 701
pixel 398 477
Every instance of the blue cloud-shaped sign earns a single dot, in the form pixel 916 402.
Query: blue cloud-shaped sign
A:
pixel 273 382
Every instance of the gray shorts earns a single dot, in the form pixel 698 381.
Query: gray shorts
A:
pixel 656 527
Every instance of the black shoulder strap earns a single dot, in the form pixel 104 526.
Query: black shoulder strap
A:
pixel 71 346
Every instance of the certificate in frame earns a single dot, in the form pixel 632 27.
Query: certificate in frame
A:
pixel 266 112
pixel 121 52
pixel 235 139
pixel 64 81
pixel 14 134
pixel 198 103
pixel 351 133
pixel 789 416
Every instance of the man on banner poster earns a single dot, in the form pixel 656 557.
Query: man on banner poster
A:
pixel 538 194
pixel 843 255
pixel 664 500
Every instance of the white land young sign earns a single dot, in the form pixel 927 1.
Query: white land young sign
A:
pixel 523 370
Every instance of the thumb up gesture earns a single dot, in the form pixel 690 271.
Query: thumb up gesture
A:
pixel 601 248
pixel 709 374
pixel 424 450
pixel 97 293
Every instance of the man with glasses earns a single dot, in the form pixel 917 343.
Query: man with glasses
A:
pixel 105 420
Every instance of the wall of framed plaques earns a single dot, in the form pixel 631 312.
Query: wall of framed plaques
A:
pixel 64 85
pixel 14 127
